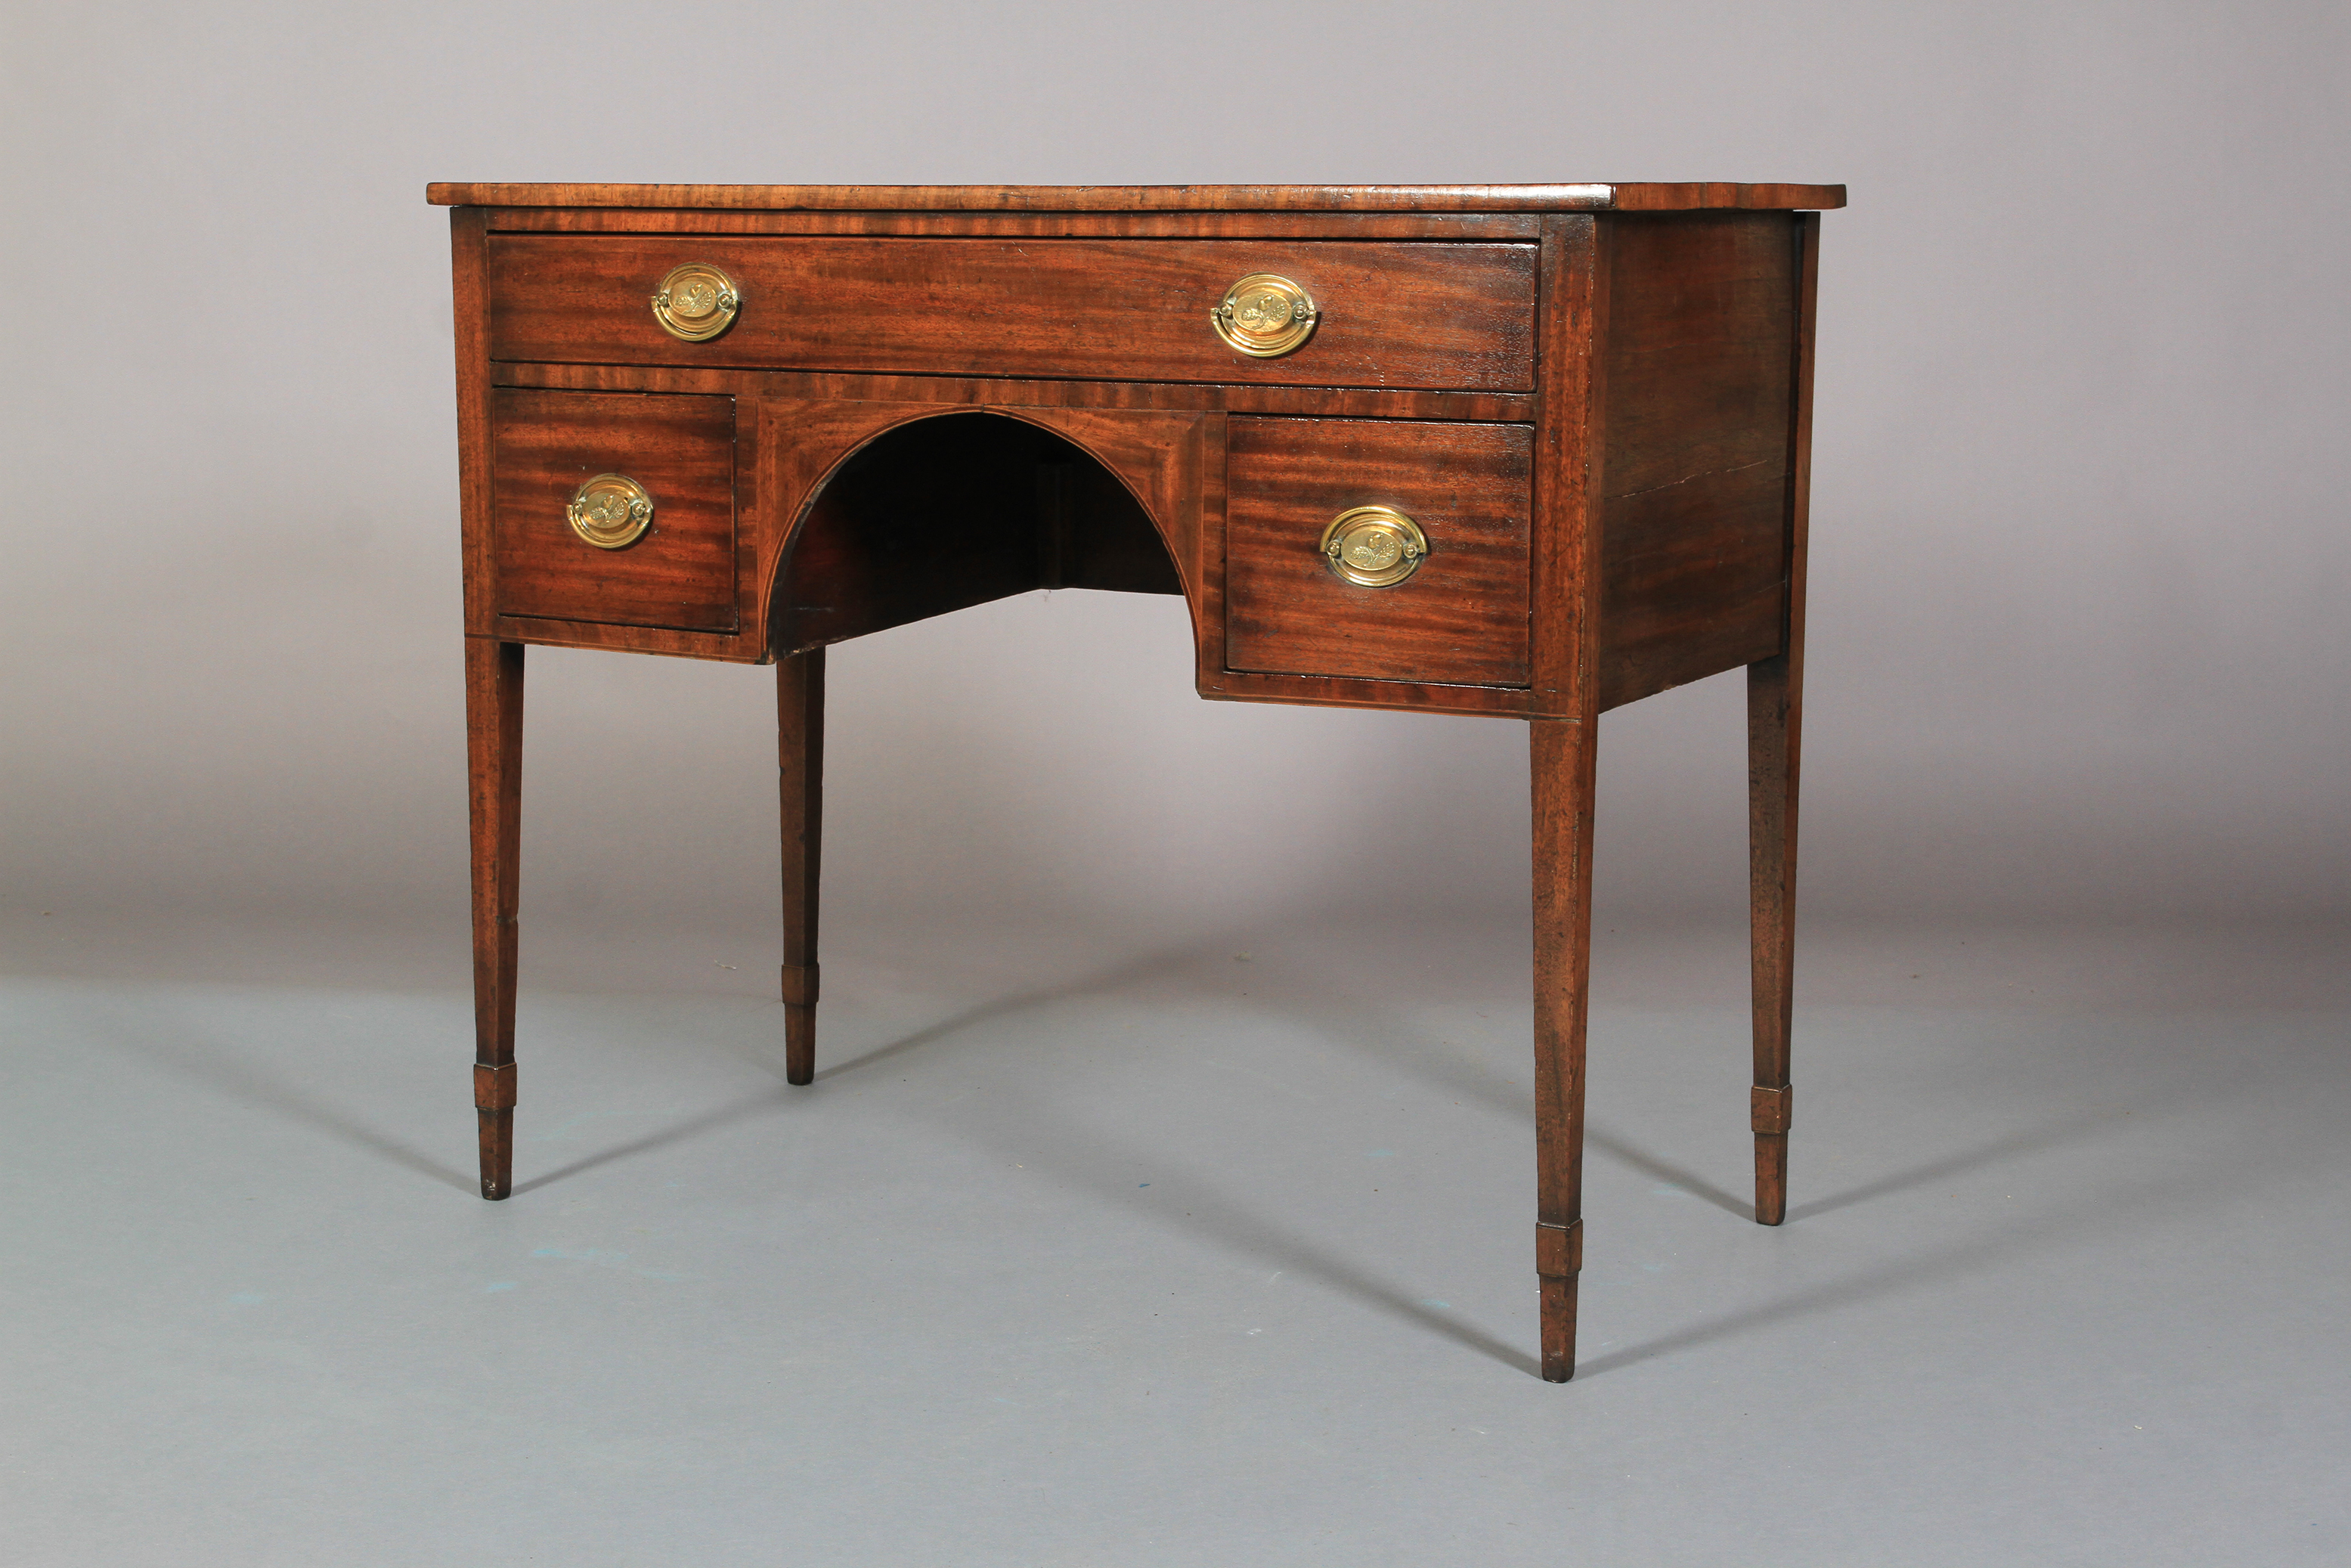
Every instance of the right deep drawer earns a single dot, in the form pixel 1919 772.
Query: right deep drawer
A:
pixel 1459 618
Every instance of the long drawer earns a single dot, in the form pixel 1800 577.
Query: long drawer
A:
pixel 1390 313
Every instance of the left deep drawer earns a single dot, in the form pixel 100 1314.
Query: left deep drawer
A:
pixel 676 453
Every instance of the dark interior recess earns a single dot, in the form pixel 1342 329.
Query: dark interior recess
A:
pixel 955 510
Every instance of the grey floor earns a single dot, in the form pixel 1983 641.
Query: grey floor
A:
pixel 1220 1253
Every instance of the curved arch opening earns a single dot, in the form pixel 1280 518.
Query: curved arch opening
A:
pixel 956 509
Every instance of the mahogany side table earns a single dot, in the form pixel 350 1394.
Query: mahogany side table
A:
pixel 1528 451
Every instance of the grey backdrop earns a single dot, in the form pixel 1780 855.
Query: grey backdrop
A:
pixel 1140 1215
pixel 2078 642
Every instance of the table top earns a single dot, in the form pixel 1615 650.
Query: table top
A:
pixel 1645 197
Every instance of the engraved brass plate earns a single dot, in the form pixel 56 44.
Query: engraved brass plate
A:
pixel 1265 316
pixel 696 302
pixel 611 511
pixel 1373 547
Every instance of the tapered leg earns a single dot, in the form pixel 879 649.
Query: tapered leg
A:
pixel 799 750
pixel 1775 716
pixel 494 759
pixel 1774 721
pixel 1560 753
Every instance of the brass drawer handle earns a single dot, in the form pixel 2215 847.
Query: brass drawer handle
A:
pixel 696 302
pixel 1265 316
pixel 1373 547
pixel 611 511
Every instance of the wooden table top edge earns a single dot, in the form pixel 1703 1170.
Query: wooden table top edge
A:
pixel 1649 197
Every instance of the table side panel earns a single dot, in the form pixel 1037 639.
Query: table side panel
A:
pixel 1699 359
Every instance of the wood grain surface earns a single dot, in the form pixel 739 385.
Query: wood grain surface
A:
pixel 882 509
pixel 469 300
pixel 1334 403
pixel 1393 314
pixel 1560 771
pixel 1775 724
pixel 1019 225
pixel 1647 197
pixel 1462 617
pixel 1579 283
pixel 799 779
pixel 1694 446
pixel 681 574
pixel 494 769
pixel 934 516
pixel 1573 408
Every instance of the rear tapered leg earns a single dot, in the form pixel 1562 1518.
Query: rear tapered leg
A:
pixel 494 759
pixel 1774 720
pixel 1561 759
pixel 799 750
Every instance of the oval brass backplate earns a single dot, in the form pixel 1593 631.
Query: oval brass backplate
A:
pixel 1265 316
pixel 611 511
pixel 696 302
pixel 1373 547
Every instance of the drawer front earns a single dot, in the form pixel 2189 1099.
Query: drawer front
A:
pixel 1402 315
pixel 1459 619
pixel 680 572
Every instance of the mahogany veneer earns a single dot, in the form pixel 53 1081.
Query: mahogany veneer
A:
pixel 1461 618
pixel 1453 316
pixel 1594 401
pixel 546 443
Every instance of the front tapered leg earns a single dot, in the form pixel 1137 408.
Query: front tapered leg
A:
pixel 1774 717
pixel 799 749
pixel 494 759
pixel 1561 759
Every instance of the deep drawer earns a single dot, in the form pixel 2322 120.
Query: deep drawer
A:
pixel 1460 618
pixel 681 449
pixel 1392 314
